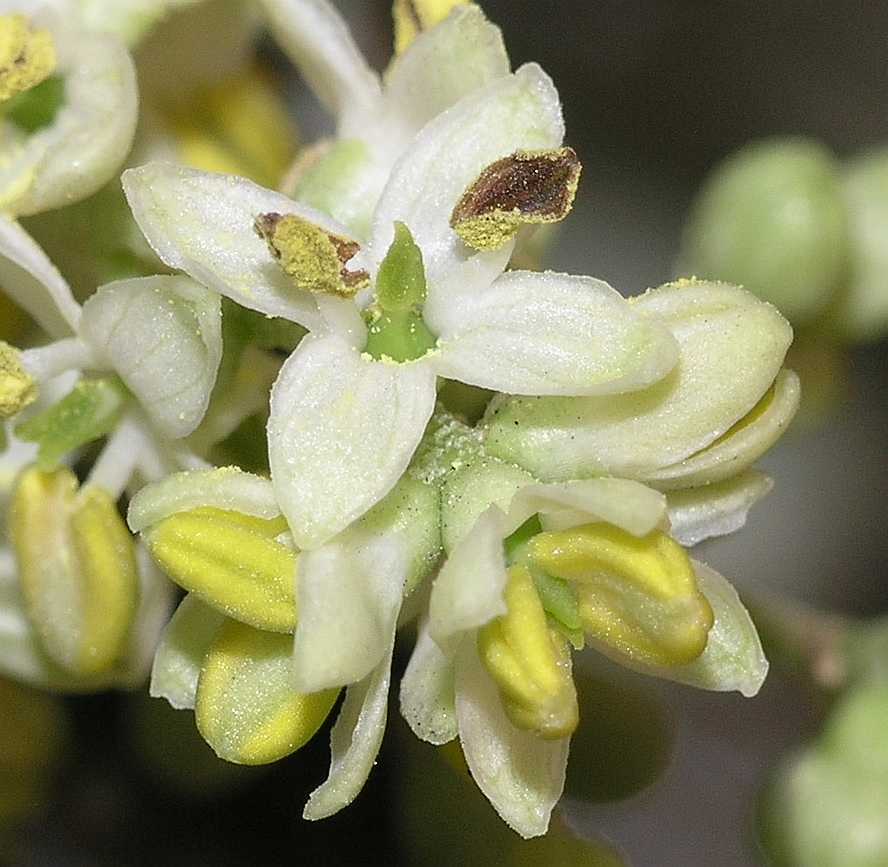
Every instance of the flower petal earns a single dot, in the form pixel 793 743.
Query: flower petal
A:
pixel 458 56
pixel 33 282
pixel 91 134
pixel 354 741
pixel 427 691
pixel 733 660
pixel 697 514
pixel 227 488
pixel 468 591
pixel 521 774
pixel 342 431
pixel 348 603
pixel 163 337
pixel 732 346
pixel 318 41
pixel 181 651
pixel 515 112
pixel 202 223
pixel 532 333
pixel 742 445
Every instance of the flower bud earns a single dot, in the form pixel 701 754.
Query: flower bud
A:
pixel 530 662
pixel 637 596
pixel 77 567
pixel 246 709
pixel 232 561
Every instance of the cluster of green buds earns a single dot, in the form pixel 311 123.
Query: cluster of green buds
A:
pixel 785 218
pixel 517 461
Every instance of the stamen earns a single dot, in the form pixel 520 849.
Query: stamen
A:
pixel 17 387
pixel 316 260
pixel 27 56
pixel 526 188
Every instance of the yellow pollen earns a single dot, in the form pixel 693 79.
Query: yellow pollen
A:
pixel 27 56
pixel 17 387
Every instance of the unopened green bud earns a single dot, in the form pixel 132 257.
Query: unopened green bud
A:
pixel 232 561
pixel 246 709
pixel 77 567
pixel 530 662
pixel 637 596
pixel 772 219
pixel 17 388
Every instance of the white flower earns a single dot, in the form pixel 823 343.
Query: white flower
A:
pixel 344 424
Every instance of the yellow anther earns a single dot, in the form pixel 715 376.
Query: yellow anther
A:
pixel 316 260
pixel 246 709
pixel 414 16
pixel 232 562
pixel 530 662
pixel 638 596
pixel 77 568
pixel 27 56
pixel 240 126
pixel 526 188
pixel 17 387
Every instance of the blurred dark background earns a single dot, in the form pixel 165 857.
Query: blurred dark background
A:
pixel 655 92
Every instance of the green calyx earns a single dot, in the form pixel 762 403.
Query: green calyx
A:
pixel 396 329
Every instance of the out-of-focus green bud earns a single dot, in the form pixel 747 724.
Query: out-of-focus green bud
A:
pixel 17 388
pixel 862 309
pixel 77 567
pixel 530 662
pixel 637 596
pixel 27 56
pixel 89 411
pixel 232 561
pixel 827 807
pixel 772 219
pixel 246 709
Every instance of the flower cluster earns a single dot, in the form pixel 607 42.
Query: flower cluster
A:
pixel 515 460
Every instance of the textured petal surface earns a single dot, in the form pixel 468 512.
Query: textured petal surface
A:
pixel 427 691
pixel 226 488
pixel 697 514
pixel 519 111
pixel 163 338
pixel 33 282
pixel 354 741
pixel 317 40
pixel 731 348
pixel 532 333
pixel 342 430
pixel 89 137
pixel 202 223
pixel 348 606
pixel 521 774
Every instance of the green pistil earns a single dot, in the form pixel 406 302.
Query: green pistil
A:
pixel 37 108
pixel 396 329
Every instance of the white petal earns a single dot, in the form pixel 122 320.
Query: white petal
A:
pixel 317 40
pixel 516 112
pixel 468 591
pixel 732 347
pixel 127 19
pixel 740 447
pixel 354 741
pixel 460 55
pixel 89 137
pixel 427 691
pixel 163 337
pixel 733 660
pixel 629 505
pixel 202 223
pixel 33 282
pixel 697 514
pixel 348 604
pixel 342 431
pixel 521 774
pixel 181 651
pixel 226 488
pixel 532 333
